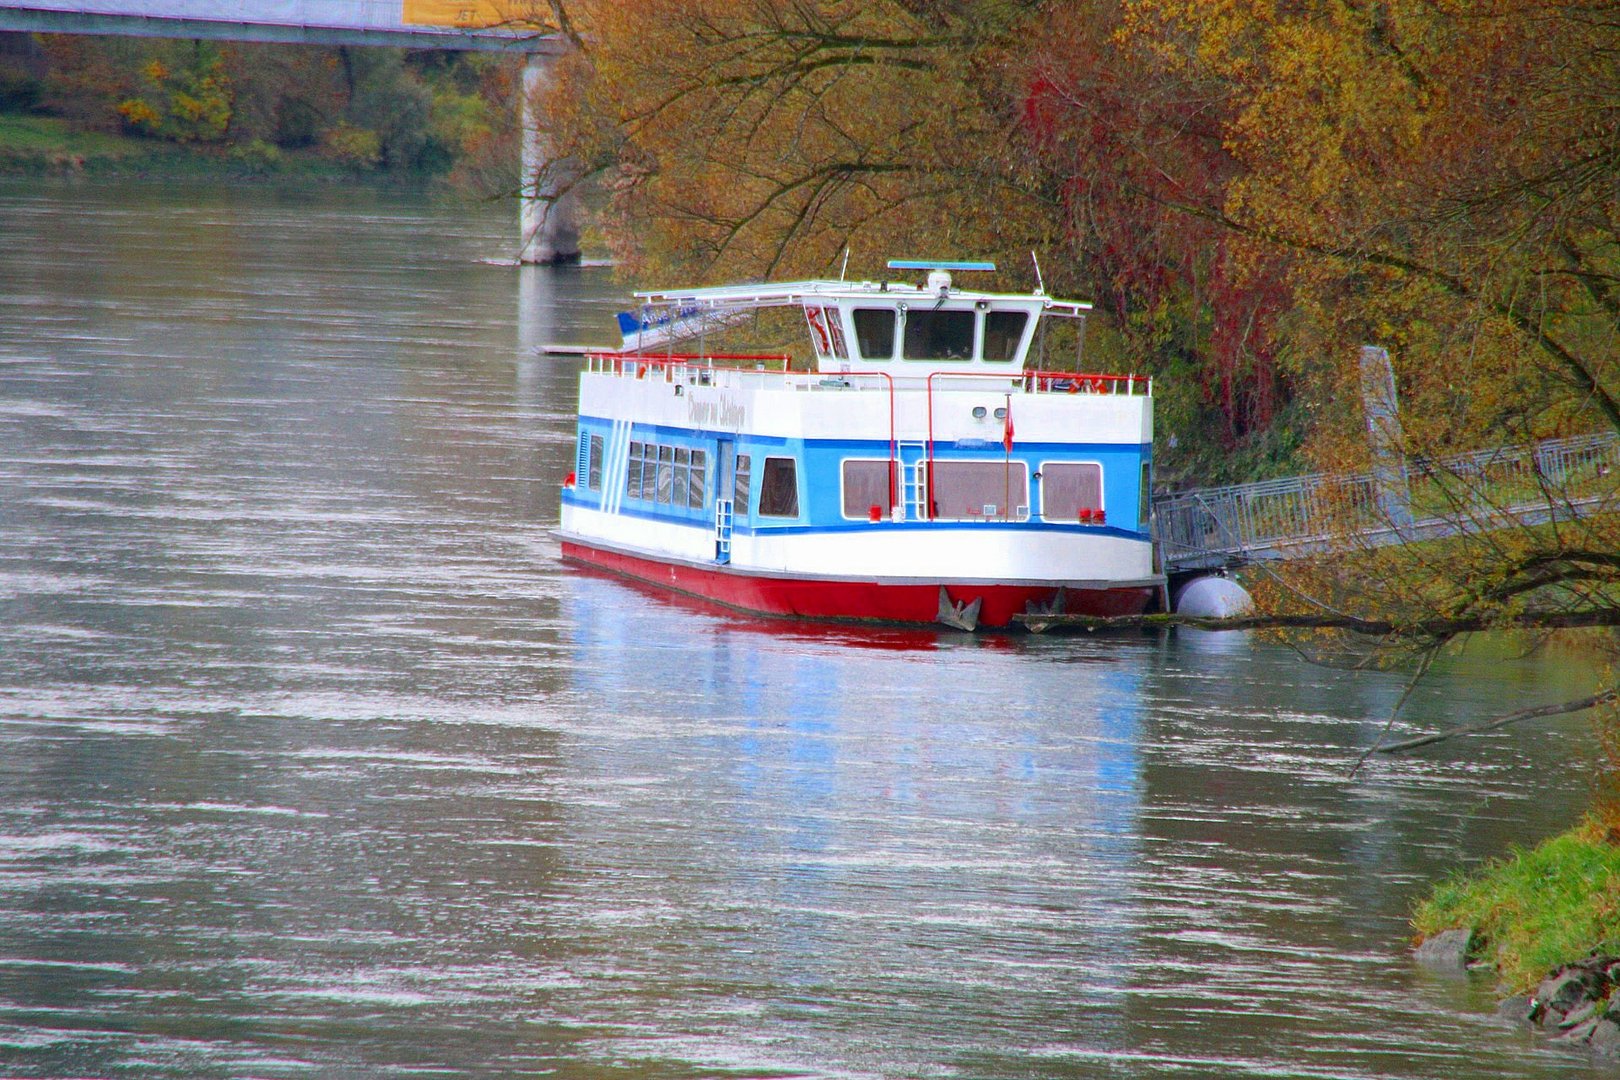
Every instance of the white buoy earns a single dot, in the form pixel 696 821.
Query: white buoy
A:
pixel 1213 598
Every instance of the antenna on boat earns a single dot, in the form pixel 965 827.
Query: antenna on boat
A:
pixel 1040 285
pixel 845 265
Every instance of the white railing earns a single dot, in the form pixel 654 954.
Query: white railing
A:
pixel 1301 514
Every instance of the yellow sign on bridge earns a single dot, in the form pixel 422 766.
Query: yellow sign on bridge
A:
pixel 478 14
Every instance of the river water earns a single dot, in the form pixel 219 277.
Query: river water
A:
pixel 314 762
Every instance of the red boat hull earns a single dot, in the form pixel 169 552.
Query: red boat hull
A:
pixel 853 600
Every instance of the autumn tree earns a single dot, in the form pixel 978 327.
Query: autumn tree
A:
pixel 761 137
pixel 384 108
pixel 1440 178
pixel 767 136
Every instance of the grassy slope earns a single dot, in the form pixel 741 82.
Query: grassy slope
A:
pixel 31 145
pixel 1537 908
pixel 42 141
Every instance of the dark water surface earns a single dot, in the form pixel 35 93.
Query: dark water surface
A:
pixel 315 763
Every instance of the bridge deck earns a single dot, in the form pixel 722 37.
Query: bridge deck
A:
pixel 287 22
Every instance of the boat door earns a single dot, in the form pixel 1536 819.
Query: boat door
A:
pixel 725 479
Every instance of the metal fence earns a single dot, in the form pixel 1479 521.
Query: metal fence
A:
pixel 1305 514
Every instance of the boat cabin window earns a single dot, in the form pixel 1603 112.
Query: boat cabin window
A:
pixel 697 480
pixel 939 335
pixel 866 486
pixel 982 490
pixel 683 474
pixel 666 472
pixel 779 488
pixel 1003 330
pixel 739 489
pixel 1068 488
pixel 649 471
pixel 593 474
pixel 673 475
pixel 874 332
pixel 632 472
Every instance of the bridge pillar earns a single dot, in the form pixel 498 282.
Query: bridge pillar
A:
pixel 548 223
pixel 1392 486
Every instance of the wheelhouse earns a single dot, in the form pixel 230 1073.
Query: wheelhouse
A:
pixel 903 330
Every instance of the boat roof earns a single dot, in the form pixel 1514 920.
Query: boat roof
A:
pixel 798 293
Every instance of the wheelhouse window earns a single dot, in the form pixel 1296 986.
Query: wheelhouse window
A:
pixel 779 488
pixel 826 330
pixel 866 487
pixel 939 335
pixel 1068 488
pixel 874 332
pixel 981 490
pixel 739 487
pixel 1003 330
pixel 593 475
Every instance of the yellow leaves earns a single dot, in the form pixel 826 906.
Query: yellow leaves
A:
pixel 138 114
pixel 351 145
pixel 768 134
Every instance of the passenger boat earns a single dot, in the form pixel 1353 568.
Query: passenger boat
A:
pixel 920 473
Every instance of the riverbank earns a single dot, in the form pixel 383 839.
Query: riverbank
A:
pixel 36 145
pixel 1536 910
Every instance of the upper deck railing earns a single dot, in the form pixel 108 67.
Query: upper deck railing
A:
pixel 742 369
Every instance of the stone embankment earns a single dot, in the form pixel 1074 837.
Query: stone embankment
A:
pixel 1578 1002
pixel 1581 1003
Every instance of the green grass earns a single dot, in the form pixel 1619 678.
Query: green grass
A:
pixel 46 141
pixel 32 145
pixel 1537 908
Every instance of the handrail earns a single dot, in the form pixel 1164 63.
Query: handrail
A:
pixel 1291 512
pixel 670 361
pixel 1033 381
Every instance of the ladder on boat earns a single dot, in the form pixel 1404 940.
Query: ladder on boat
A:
pixel 914 479
pixel 722 530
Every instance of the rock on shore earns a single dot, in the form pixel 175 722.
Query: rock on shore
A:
pixel 1580 1002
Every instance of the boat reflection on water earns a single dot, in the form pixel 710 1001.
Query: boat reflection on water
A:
pixel 941 818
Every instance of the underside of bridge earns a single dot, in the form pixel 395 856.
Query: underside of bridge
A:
pixel 548 229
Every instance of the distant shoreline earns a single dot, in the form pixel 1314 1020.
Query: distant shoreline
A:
pixel 38 145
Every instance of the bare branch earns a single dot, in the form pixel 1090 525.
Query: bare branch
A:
pixel 1602 698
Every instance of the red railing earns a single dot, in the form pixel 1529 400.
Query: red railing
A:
pixel 1072 382
pixel 1039 382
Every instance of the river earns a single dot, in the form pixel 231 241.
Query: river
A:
pixel 315 762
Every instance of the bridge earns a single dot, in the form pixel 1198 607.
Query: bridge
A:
pixel 1225 527
pixel 547 216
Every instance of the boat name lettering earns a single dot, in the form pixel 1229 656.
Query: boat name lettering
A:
pixel 720 412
